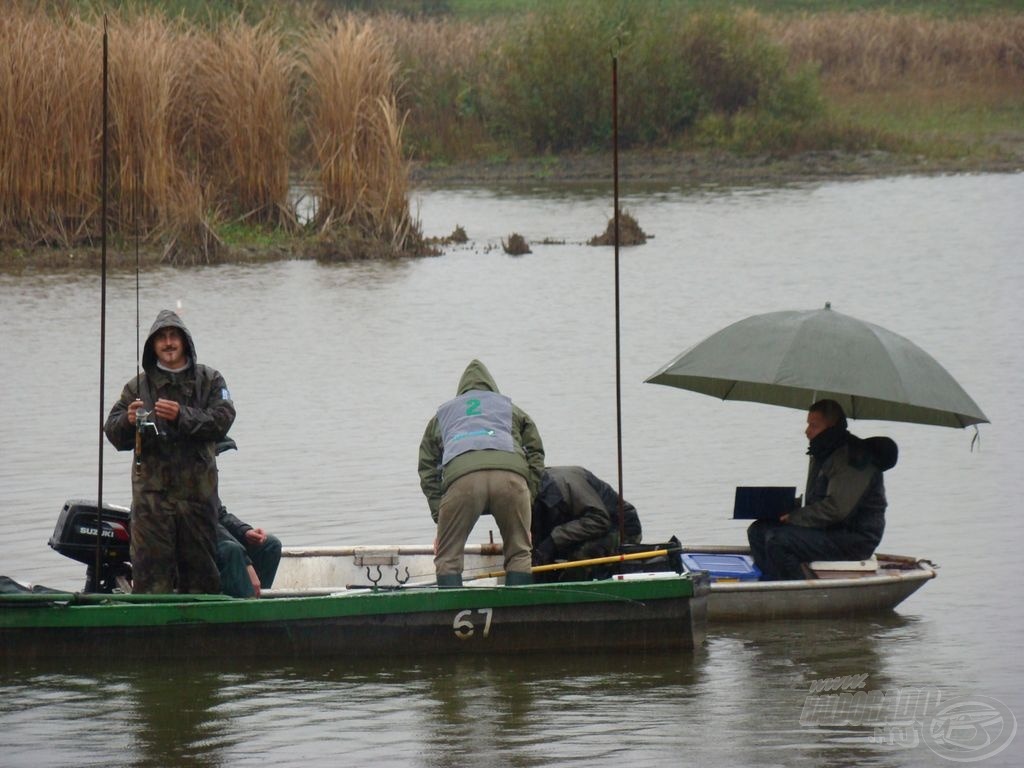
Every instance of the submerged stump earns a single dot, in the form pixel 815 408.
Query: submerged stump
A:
pixel 516 245
pixel 629 232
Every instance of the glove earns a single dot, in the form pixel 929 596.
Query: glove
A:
pixel 544 552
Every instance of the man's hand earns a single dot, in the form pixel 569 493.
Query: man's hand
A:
pixel 167 410
pixel 133 406
pixel 254 579
pixel 256 536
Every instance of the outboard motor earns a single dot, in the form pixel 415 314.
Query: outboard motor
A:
pixel 75 537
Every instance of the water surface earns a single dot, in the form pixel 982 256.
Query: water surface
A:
pixel 335 370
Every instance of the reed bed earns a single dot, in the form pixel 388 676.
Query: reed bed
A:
pixel 241 109
pixel 355 131
pixel 875 49
pixel 204 128
pixel 51 108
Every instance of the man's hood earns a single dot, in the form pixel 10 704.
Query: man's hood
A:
pixel 476 376
pixel 166 319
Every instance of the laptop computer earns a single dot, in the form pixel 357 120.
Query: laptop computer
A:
pixel 763 502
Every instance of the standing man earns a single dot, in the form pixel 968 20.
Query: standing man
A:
pixel 576 517
pixel 844 512
pixel 480 454
pixel 185 408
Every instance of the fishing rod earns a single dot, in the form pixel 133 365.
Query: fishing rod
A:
pixel 97 564
pixel 138 206
pixel 143 418
pixel 615 217
pixel 607 559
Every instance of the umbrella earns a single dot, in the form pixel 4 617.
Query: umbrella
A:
pixel 795 358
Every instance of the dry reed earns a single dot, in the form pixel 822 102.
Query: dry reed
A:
pixel 241 102
pixel 49 158
pixel 873 49
pixel 356 132
pixel 201 123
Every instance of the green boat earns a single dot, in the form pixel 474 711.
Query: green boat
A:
pixel 637 613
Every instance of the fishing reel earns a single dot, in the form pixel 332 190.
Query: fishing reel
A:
pixel 143 421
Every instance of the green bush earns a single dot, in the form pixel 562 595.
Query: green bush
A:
pixel 549 87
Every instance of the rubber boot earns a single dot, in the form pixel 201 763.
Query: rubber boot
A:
pixel 518 578
pixel 449 580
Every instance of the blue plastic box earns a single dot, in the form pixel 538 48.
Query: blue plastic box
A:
pixel 723 567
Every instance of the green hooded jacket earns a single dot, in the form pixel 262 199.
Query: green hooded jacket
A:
pixel 181 461
pixel 527 458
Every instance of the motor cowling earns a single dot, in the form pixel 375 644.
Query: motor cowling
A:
pixel 75 537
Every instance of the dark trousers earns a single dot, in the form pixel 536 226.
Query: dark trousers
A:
pixel 173 546
pixel 231 561
pixel 779 549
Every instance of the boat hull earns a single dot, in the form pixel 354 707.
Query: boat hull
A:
pixel 836 595
pixel 897 578
pixel 812 598
pixel 653 615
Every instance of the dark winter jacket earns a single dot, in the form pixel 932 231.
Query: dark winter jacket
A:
pixel 180 462
pixel 574 506
pixel 845 490
pixel 525 458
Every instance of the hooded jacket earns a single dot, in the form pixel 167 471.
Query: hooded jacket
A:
pixel 574 505
pixel 845 490
pixel 181 460
pixel 525 456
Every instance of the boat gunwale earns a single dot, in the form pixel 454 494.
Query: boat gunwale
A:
pixel 891 576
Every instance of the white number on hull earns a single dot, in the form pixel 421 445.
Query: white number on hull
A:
pixel 463 624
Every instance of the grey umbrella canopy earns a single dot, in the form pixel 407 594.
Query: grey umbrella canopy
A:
pixel 794 358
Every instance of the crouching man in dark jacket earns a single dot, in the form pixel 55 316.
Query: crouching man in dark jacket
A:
pixel 843 516
pixel 576 517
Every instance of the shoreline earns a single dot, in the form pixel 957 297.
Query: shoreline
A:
pixel 719 169
pixel 636 167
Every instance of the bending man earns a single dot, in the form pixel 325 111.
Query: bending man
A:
pixel 480 454
pixel 576 517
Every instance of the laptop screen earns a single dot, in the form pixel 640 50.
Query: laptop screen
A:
pixel 763 502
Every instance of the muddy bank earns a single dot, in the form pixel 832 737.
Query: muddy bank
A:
pixel 717 169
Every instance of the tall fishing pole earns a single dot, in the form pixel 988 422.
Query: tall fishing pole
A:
pixel 103 319
pixel 615 218
pixel 138 207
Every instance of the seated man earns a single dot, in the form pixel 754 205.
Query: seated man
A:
pixel 247 557
pixel 576 517
pixel 843 515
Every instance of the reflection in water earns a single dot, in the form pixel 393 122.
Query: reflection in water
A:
pixel 158 714
pixel 173 712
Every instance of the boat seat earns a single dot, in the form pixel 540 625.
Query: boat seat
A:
pixel 824 569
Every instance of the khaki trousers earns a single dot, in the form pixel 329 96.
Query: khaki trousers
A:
pixel 501 493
